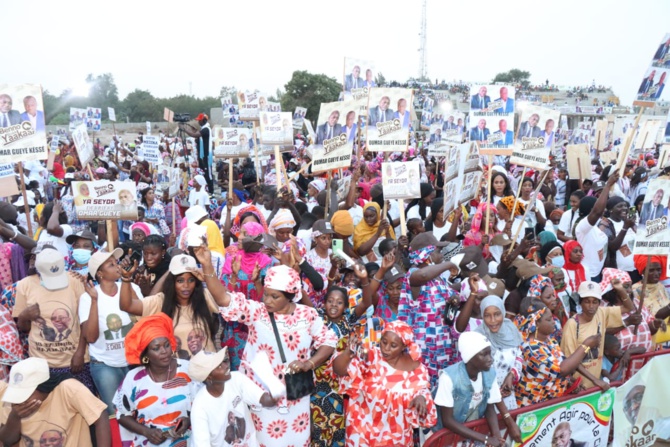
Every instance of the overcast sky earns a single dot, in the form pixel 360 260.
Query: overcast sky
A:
pixel 162 46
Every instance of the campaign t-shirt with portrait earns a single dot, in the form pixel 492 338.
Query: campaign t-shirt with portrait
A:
pixel 113 326
pixel 594 243
pixel 56 242
pixel 54 335
pixel 190 339
pixel 63 419
pixel 445 394
pixel 226 420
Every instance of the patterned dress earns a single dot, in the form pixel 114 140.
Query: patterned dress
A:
pixel 322 267
pixel 301 332
pixel 424 314
pixel 157 211
pixel 504 362
pixel 327 405
pixel 541 379
pixel 155 404
pixel 382 309
pixel 378 413
pixel 629 339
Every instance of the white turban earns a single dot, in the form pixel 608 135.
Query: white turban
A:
pixel 200 179
pixel 470 344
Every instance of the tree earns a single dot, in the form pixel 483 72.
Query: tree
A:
pixel 514 76
pixel 140 105
pixel 309 90
pixel 103 92
pixel 229 91
pixel 380 80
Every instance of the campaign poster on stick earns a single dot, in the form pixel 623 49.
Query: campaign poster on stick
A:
pixel 401 180
pixel 664 157
pixel 646 137
pixel 111 113
pixel 231 142
pixel 299 117
pixel 102 199
pixel 470 186
pixel 151 152
pixel 582 421
pixel 652 236
pixel 492 132
pixel 535 136
pixel 495 99
pixel 653 82
pixel 8 186
pixel 249 105
pixel 358 73
pixel 22 130
pixel 579 161
pixel 83 144
pixel 276 128
pixel 335 119
pixel 641 407
pixel 93 118
pixel 451 122
pixel 600 140
pixel 77 118
pixel 388 119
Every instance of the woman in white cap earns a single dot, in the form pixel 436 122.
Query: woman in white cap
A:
pixel 183 298
pixel 104 324
pixel 199 195
pixel 288 333
pixel 315 187
pixel 468 391
pixel 220 413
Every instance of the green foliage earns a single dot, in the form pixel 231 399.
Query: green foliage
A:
pixel 380 80
pixel 309 90
pixel 514 76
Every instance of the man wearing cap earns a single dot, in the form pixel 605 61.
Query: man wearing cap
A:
pixel 203 152
pixel 197 215
pixel 594 320
pixel 220 413
pixel 49 410
pixel 46 309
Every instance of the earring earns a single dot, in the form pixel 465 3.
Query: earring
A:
pixel 145 360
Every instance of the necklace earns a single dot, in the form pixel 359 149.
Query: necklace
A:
pixel 166 378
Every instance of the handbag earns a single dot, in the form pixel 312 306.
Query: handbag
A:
pixel 660 337
pixel 298 385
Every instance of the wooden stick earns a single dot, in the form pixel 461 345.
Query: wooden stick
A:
pixel 26 208
pixel 109 225
pixel 278 169
pixel 518 230
pixel 281 165
pixel 295 175
pixel 88 166
pixel 518 189
pixel 330 180
pixel 174 216
pixel 644 289
pixel 488 194
pixel 230 178
pixel 256 151
pixel 403 222
pixel 629 141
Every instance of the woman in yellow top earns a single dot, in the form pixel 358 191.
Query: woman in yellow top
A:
pixel 369 230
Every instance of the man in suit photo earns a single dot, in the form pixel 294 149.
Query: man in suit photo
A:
pixel 350 126
pixel 8 117
pixel 662 51
pixel 369 82
pixel 548 133
pixel 656 91
pixel 115 328
pixel 507 135
pixel 353 79
pixel 508 103
pixel 529 128
pixel 36 117
pixel 480 100
pixel 329 129
pixel 381 113
pixel 436 137
pixel 480 133
pixel 449 124
pixel 647 83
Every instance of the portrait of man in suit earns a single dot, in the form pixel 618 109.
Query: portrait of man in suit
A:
pixel 480 133
pixel 369 82
pixel 656 91
pixel 8 117
pixel 548 133
pixel 115 328
pixel 36 117
pixel 662 52
pixel 480 100
pixel 402 113
pixel 529 128
pixel 353 79
pixel 645 85
pixel 381 113
pixel 508 103
pixel 507 135
pixel 61 320
pixel 562 437
pixel 329 129
pixel 653 209
pixel 449 124
pixel 350 126
pixel 436 137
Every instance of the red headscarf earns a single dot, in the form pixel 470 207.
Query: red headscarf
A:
pixel 402 330
pixel 580 274
pixel 641 263
pixel 144 332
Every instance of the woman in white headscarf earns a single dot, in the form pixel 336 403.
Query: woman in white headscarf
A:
pixel 198 195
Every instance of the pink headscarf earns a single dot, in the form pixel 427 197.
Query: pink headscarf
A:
pixel 248 261
pixel 144 228
pixel 474 235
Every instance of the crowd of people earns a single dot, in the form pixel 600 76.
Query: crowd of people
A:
pixel 261 313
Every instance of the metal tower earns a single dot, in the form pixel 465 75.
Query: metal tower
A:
pixel 423 71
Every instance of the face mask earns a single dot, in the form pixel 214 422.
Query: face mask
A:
pixel 81 255
pixel 558 261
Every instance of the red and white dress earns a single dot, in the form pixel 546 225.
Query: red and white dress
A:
pixel 300 332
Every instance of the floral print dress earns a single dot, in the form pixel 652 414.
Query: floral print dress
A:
pixel 301 332
pixel 322 267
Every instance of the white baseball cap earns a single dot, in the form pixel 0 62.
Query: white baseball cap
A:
pixel 24 378
pixel 50 264
pixel 203 363
pixel 195 213
pixel 100 257
pixel 182 264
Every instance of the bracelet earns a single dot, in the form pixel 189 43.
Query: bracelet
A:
pixel 507 416
pixel 366 284
pixel 126 279
pixel 312 363
pixel 586 349
pixel 486 440
pixel 374 278
pixel 331 279
pixel 16 234
pixel 211 275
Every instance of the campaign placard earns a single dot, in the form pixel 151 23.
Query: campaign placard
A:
pixel 653 82
pixel 470 186
pixel 83 144
pixel 111 113
pixel 93 118
pixel 452 122
pixel 492 99
pixel 151 152
pixel 358 73
pixel 53 145
pixel 276 128
pixel 299 117
pixel 492 132
pixel 102 199
pixel 388 119
pixel 336 119
pixel 232 142
pixel 582 421
pixel 535 136
pixel 8 186
pixel 77 118
pixel 401 180
pixel 334 154
pixel 579 161
pixel 646 137
pixel 22 129
pixel 652 236
pixel 168 115
pixel 249 105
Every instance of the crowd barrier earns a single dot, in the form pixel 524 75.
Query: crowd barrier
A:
pixel 446 438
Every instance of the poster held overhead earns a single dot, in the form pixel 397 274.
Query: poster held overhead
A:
pixel 299 117
pixel 250 105
pixel 22 129
pixel 579 161
pixel 102 199
pixel 152 153
pixel 111 114
pixel 388 119
pixel 276 128
pixel 401 180
pixel 358 73
pixel 83 144
pixel 232 142
pixel 652 236
pixel 535 136
pixel 653 83
pixel 336 131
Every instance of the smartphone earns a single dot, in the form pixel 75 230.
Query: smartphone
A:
pixel 632 212
pixel 135 256
pixel 337 245
pixel 529 233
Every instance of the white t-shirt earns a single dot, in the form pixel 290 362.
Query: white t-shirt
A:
pixel 567 222
pixel 109 348
pixel 57 242
pixel 356 213
pixel 220 421
pixel 624 255
pixel 445 395
pixel 198 198
pixel 233 213
pixel 594 243
pixel 413 213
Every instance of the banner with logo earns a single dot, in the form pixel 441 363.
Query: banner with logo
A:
pixel 232 142
pixel 654 80
pixel 401 180
pixel 249 104
pixel 358 73
pixel 102 199
pixel 83 144
pixel 652 236
pixel 22 131
pixel 389 119
pixel 641 407
pixel 299 117
pixel 535 136
pixel 580 422
pixel 336 128
pixel 77 118
pixel 276 128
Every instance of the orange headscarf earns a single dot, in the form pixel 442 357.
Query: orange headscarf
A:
pixel 402 330
pixel 144 332
pixel 641 263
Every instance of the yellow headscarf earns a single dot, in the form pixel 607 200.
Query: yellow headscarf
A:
pixel 364 232
pixel 508 202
